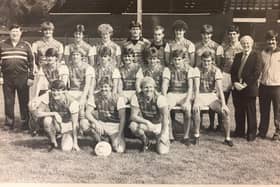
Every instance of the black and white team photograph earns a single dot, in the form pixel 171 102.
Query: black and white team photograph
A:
pixel 183 92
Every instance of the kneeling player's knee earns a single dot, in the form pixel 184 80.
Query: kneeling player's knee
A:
pixel 133 126
pixel 84 125
pixel 48 123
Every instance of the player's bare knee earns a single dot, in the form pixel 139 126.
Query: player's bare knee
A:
pixel 84 125
pixel 133 126
pixel 48 122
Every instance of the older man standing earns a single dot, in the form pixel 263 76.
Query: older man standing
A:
pixel 269 90
pixel 17 75
pixel 245 72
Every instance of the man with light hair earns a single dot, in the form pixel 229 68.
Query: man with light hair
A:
pixel 106 32
pixel 149 115
pixel 161 45
pixel 245 72
pixel 40 47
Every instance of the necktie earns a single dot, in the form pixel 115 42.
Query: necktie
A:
pixel 242 64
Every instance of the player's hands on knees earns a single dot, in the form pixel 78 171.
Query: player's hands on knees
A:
pixel 186 106
pixel 99 129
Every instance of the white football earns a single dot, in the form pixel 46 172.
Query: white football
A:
pixel 103 149
pixel 67 142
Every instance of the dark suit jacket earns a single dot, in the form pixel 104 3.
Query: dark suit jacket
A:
pixel 249 75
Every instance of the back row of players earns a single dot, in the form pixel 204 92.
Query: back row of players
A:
pixel 92 89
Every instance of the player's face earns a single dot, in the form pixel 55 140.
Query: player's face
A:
pixel 78 36
pixel 246 45
pixel 206 37
pixel 106 36
pixel 128 59
pixel 233 36
pixel 57 94
pixel 105 59
pixel 207 62
pixel 153 60
pixel 105 89
pixel 148 90
pixel 179 33
pixel 272 43
pixel 158 35
pixel 51 60
pixel 178 62
pixel 76 57
pixel 15 34
pixel 48 33
pixel 135 32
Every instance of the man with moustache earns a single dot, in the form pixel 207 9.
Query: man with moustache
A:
pixel 269 91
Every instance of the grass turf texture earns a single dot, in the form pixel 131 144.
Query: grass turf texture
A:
pixel 25 159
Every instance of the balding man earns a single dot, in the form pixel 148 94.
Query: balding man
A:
pixel 245 72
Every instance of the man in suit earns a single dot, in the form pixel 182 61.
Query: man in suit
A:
pixel 245 72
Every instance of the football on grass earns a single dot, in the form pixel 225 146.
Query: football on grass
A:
pixel 103 149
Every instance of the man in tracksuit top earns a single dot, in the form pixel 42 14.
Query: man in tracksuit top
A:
pixel 17 75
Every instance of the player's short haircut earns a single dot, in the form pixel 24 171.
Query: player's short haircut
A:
pixel 135 24
pixel 271 34
pixel 247 37
pixel 180 25
pixel 151 52
pixel 147 80
pixel 207 54
pixel 105 51
pixel 51 52
pixel 58 85
pixel 105 80
pixel 207 29
pixel 178 53
pixel 15 26
pixel 104 28
pixel 232 28
pixel 127 52
pixel 47 25
pixel 79 28
pixel 159 27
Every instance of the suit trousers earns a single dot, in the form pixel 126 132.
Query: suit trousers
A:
pixel 12 85
pixel 245 107
pixel 268 95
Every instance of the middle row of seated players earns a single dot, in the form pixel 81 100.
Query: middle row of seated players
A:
pixel 191 88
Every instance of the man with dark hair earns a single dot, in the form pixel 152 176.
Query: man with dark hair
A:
pixel 180 28
pixel 88 52
pixel 137 42
pixel 211 82
pixel 269 91
pixel 110 117
pixel 16 75
pixel 59 113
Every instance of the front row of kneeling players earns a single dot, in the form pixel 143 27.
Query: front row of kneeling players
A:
pixel 105 111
